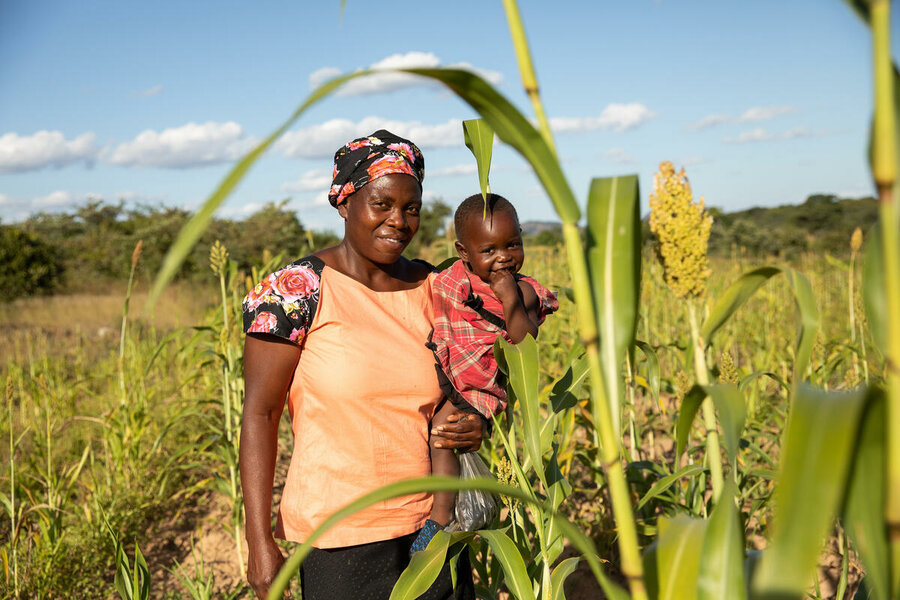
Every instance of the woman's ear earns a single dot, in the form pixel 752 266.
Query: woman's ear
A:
pixel 463 253
pixel 342 208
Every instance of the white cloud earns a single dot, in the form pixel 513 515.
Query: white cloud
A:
pixel 316 179
pixel 56 199
pixel 244 210
pixel 381 83
pixel 693 160
pixel 618 155
pixel 765 113
pixel 5 199
pixel 451 171
pixel 320 141
pixel 43 149
pixel 319 77
pixel 709 121
pixel 617 117
pixel 190 145
pixel 798 132
pixel 761 135
pixel 156 89
pixel 753 114
pixel 754 135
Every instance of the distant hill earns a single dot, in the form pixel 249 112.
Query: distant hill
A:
pixel 824 223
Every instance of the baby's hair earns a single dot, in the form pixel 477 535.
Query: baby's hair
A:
pixel 473 206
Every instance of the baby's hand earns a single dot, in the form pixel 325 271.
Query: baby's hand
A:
pixel 504 285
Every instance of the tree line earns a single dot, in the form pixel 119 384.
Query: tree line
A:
pixel 92 245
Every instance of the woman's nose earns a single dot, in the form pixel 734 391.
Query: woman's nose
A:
pixel 397 218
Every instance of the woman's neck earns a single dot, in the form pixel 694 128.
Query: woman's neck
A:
pixel 400 275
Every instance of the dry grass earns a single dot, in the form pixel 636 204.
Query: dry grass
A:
pixel 91 322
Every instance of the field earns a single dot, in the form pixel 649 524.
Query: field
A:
pixel 133 444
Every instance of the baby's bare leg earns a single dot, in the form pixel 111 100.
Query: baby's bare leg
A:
pixel 443 462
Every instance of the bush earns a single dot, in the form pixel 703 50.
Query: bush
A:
pixel 30 266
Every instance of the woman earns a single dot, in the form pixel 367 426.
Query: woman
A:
pixel 342 333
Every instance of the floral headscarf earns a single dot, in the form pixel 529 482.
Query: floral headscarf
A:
pixel 367 158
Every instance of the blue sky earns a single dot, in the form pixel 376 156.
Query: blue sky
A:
pixel 763 103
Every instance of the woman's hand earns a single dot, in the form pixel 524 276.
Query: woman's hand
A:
pixel 263 565
pixel 462 431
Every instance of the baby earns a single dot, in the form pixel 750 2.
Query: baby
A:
pixel 480 297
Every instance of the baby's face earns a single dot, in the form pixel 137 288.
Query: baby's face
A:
pixel 492 244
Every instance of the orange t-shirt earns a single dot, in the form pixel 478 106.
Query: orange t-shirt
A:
pixel 361 400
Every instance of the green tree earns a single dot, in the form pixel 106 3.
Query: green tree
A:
pixel 30 265
pixel 432 224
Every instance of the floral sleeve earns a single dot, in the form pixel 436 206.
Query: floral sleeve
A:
pixel 285 302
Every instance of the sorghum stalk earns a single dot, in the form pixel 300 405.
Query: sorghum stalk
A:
pixel 682 227
pixel 526 69
pixel 884 170
pixel 610 447
pixel 701 372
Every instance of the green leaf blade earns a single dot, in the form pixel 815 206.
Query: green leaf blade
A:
pixel 423 569
pixel 479 139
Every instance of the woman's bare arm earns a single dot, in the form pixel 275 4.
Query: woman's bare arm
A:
pixel 269 364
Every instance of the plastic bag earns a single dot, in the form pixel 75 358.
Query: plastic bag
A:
pixel 475 509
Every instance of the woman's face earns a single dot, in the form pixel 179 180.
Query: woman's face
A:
pixel 381 218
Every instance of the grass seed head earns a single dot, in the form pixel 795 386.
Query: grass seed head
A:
pixel 856 240
pixel 727 370
pixel 136 254
pixel 218 257
pixel 682 228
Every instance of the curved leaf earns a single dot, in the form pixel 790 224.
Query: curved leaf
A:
pixel 614 260
pixel 511 127
pixel 664 483
pixel 809 321
pixel 741 290
pixel 689 407
pixel 558 577
pixel 678 557
pixel 873 290
pixel 522 364
pixel 745 381
pixel 816 453
pixel 479 138
pixel 562 394
pixel 424 567
pixel 513 564
pixel 194 228
pixel 864 510
pixel 721 572
pixel 731 410
pixel 514 129
pixel 733 298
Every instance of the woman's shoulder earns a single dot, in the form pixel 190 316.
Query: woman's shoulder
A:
pixel 285 301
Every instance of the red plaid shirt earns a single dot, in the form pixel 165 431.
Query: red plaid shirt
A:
pixel 464 340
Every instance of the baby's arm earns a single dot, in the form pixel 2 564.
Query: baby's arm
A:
pixel 520 305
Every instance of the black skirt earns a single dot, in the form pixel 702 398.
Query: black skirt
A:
pixel 369 572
